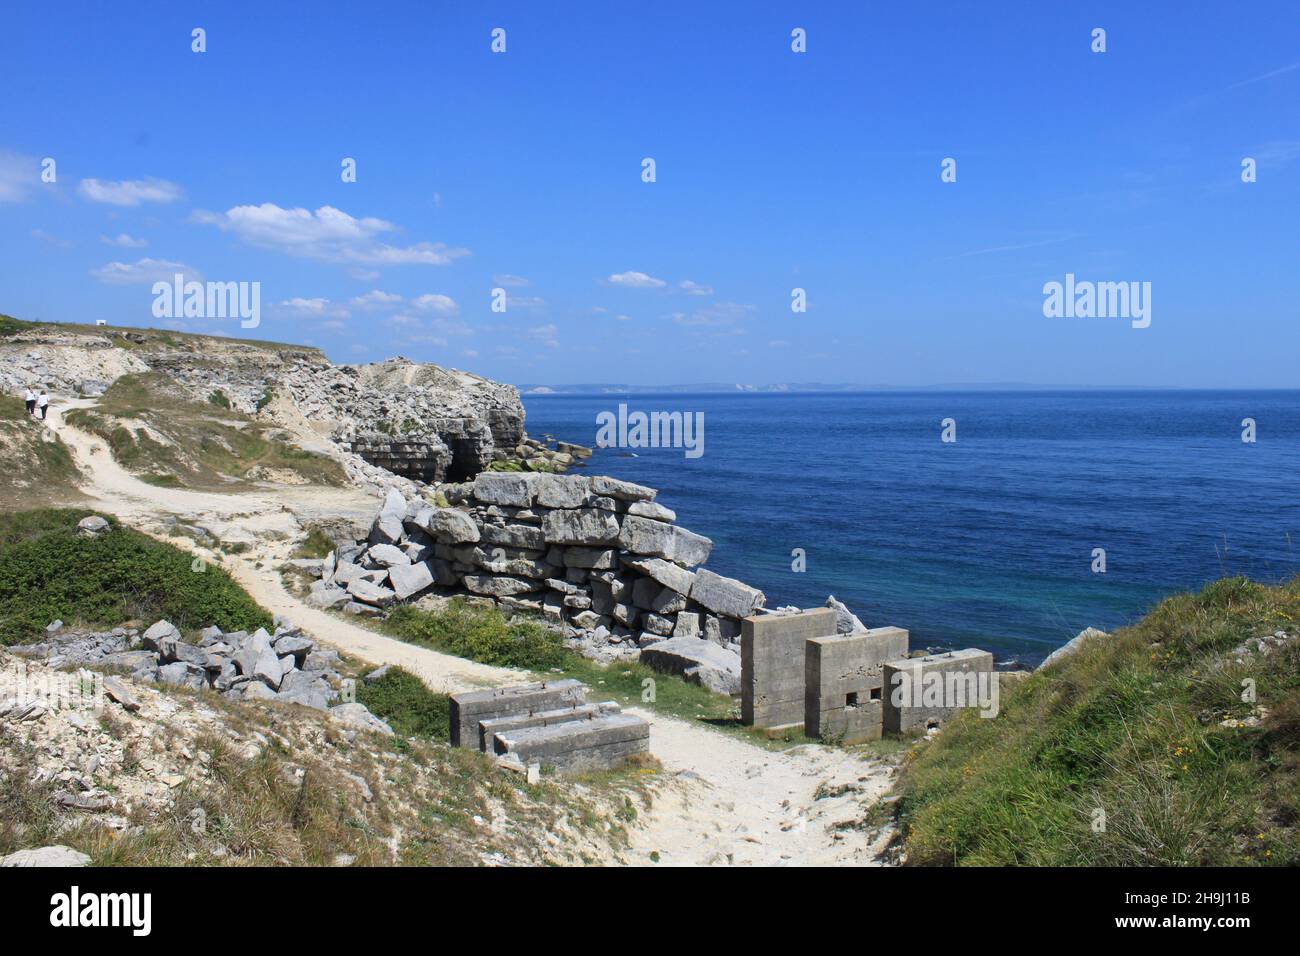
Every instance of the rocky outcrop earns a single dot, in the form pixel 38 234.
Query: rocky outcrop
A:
pixel 596 558
pixel 418 421
pixel 284 666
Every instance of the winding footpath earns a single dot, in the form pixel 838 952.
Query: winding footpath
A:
pixel 721 800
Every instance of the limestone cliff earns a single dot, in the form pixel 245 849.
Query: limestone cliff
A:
pixel 419 421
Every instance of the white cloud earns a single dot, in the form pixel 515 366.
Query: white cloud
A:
pixel 124 241
pixel 327 234
pixel 623 318
pixel 129 192
pixel 18 175
pixel 547 333
pixel 144 271
pixel 376 299
pixel 470 353
pixel 694 288
pixel 317 307
pixel 636 280
pixel 722 314
pixel 524 302
pixel 510 282
pixel 53 240
pixel 432 302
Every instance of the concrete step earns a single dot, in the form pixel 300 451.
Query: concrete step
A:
pixel 577 745
pixel 545 718
pixel 471 707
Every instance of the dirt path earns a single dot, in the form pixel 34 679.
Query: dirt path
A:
pixel 723 799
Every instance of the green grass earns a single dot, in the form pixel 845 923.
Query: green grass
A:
pixel 1128 728
pixel 48 572
pixel 35 466
pixel 208 442
pixel 484 635
pixel 11 326
pixel 404 702
pixel 317 544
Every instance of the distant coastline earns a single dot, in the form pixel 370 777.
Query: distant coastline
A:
pixel 817 388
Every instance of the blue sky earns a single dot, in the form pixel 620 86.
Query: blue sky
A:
pixel 775 170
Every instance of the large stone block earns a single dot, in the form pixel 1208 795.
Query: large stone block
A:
pixel 583 526
pixel 772 665
pixel 513 536
pixel 409 580
pixel 544 718
pixel 561 491
pixel 623 490
pixel 505 488
pixel 923 692
pixel 665 572
pixel 389 523
pixel 451 526
pixel 725 595
pixel 578 745
pixel 658 539
pixel 471 707
pixel 500 585
pixel 702 662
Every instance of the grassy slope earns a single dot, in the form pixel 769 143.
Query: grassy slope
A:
pixel 298 802
pixel 209 444
pixel 48 572
pixel 259 810
pixel 1130 727
pixel 35 467
pixel 166 337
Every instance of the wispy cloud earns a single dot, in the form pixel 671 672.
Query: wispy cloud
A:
pixel 129 192
pixel 19 175
pixel 435 302
pixel 328 234
pixel 718 316
pixel 694 288
pixel 636 280
pixel 144 271
pixel 124 241
pixel 989 250
pixel 52 240
pixel 376 299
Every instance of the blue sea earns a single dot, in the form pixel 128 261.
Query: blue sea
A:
pixel 987 541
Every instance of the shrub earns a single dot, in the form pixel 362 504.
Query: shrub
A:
pixel 49 572
pixel 480 634
pixel 1147 731
pixel 407 705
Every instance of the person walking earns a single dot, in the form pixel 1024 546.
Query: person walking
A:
pixel 43 403
pixel 29 397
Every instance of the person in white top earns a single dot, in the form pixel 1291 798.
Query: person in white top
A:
pixel 30 398
pixel 43 403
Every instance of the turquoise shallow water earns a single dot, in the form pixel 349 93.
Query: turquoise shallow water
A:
pixel 987 541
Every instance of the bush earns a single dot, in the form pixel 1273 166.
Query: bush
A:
pixel 49 572
pixel 480 634
pixel 410 708
pixel 1147 730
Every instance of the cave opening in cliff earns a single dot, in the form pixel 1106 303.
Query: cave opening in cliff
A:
pixel 465 462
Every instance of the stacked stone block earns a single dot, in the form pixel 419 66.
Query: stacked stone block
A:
pixel 597 558
pixel 548 723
